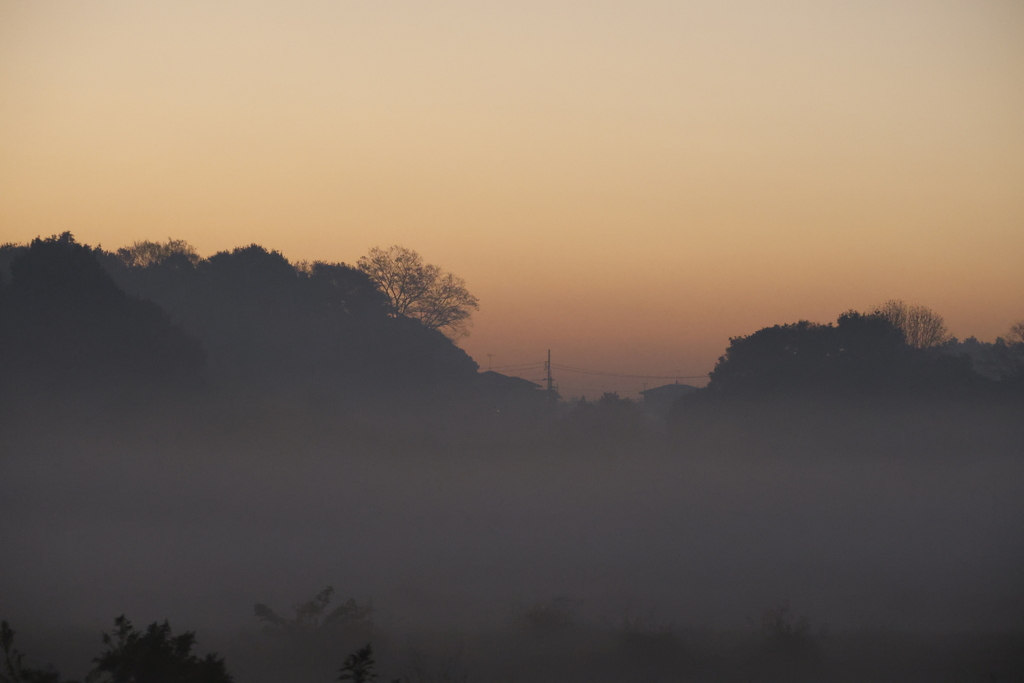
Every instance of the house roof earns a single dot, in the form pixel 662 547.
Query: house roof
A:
pixel 668 391
pixel 500 382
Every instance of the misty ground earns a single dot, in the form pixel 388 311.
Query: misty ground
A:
pixel 893 536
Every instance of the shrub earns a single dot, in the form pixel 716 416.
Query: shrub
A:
pixel 154 656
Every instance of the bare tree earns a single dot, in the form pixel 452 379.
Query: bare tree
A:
pixel 146 253
pixel 420 290
pixel 1016 333
pixel 921 326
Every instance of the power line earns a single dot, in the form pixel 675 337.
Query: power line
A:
pixel 549 378
pixel 601 373
pixel 520 366
pixel 568 368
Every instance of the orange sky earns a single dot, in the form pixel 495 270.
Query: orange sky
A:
pixel 628 184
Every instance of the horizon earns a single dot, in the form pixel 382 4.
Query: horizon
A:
pixel 256 259
pixel 580 381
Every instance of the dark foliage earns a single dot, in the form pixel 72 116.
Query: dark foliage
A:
pixel 418 290
pixel 999 361
pixel 358 666
pixel 268 323
pixel 154 656
pixel 860 355
pixel 64 323
pixel 313 614
pixel 14 669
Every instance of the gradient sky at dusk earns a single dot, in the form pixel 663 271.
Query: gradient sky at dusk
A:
pixel 628 184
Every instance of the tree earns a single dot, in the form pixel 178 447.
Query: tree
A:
pixel 922 327
pixel 64 322
pixel 1016 333
pixel 358 666
pixel 312 614
pixel 154 656
pixel 14 669
pixel 859 353
pixel 146 253
pixel 420 290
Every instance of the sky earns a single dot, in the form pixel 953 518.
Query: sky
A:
pixel 626 184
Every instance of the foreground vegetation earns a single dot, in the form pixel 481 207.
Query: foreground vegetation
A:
pixel 547 644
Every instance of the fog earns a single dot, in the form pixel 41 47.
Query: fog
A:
pixel 275 458
pixel 912 526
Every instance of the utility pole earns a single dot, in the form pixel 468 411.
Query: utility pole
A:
pixel 490 357
pixel 550 381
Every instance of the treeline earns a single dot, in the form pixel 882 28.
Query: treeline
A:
pixel 871 367
pixel 158 316
pixel 157 319
pixel 130 656
pixel 895 350
pixel 546 641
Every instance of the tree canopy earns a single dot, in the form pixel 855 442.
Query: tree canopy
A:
pixel 861 354
pixel 922 327
pixel 265 321
pixel 65 322
pixel 146 253
pixel 419 290
pixel 155 655
pixel 1016 333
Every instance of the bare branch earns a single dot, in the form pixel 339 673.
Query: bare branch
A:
pixel 921 326
pixel 421 290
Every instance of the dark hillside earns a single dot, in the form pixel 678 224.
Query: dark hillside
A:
pixel 268 323
pixel 66 325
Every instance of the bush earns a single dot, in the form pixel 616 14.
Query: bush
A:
pixel 154 656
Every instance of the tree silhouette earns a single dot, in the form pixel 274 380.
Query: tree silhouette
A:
pixel 922 327
pixel 998 361
pixel 1016 333
pixel 14 669
pixel 268 324
pixel 439 300
pixel 154 656
pixel 312 614
pixel 358 666
pixel 64 322
pixel 858 355
pixel 860 352
pixel 146 253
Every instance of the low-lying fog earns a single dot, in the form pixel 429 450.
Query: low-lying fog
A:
pixel 467 537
